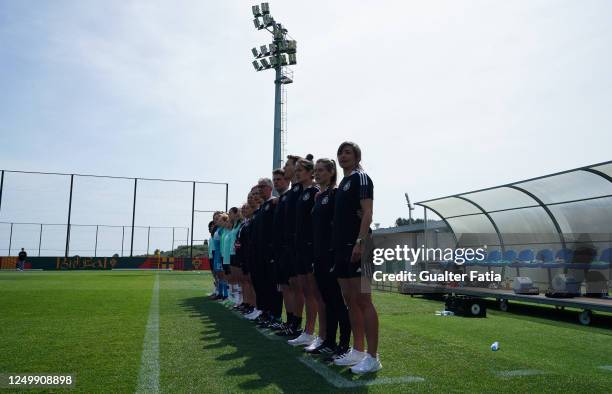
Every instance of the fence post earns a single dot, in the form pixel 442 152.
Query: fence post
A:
pixel 148 238
pixel 122 238
pixel 10 240
pixel 133 218
pixel 1 187
pixel 40 239
pixel 192 216
pixel 172 241
pixel 226 195
pixel 69 212
pixel 96 247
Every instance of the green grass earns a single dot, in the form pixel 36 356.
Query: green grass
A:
pixel 92 324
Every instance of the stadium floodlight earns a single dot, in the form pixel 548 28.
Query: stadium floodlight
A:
pixel 291 46
pixel 265 8
pixel 268 20
pixel 276 55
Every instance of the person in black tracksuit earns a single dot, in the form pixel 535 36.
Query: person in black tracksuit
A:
pixel 334 308
pixel 288 257
pixel 272 302
pixel 22 259
pixel 281 275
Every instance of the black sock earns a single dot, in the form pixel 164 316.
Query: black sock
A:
pixel 297 323
pixel 289 318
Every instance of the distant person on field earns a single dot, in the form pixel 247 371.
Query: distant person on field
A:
pixel 21 259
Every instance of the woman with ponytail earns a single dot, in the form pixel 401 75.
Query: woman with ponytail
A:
pixel 306 285
pixel 332 310
pixel 351 232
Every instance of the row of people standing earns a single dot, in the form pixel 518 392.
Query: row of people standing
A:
pixel 305 250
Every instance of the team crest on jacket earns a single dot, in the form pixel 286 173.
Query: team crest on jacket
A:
pixel 347 186
pixel 295 188
pixel 283 198
pixel 325 200
pixel 267 208
pixel 306 197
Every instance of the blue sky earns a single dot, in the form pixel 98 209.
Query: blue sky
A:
pixel 443 96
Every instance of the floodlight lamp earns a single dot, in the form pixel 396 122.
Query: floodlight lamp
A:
pixel 265 8
pixel 274 61
pixel 256 65
pixel 291 46
pixel 292 59
pixel 273 48
pixel 268 20
pixel 264 50
pixel 255 52
pixel 283 60
pixel 265 63
pixel 256 11
pixel 257 24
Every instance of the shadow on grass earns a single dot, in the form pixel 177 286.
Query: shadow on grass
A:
pixel 267 361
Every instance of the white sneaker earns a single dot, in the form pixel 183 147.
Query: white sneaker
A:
pixel 253 315
pixel 304 339
pixel 317 342
pixel 368 364
pixel 353 357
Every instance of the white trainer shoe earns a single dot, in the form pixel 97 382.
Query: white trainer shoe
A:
pixel 317 342
pixel 368 364
pixel 304 339
pixel 253 315
pixel 353 357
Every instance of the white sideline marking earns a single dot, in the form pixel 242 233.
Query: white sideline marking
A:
pixel 519 372
pixel 340 382
pixel 148 377
pixel 606 367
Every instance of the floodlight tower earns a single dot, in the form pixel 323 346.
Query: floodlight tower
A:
pixel 277 55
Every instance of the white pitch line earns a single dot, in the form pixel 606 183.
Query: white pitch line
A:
pixel 606 367
pixel 340 382
pixel 148 377
pixel 519 372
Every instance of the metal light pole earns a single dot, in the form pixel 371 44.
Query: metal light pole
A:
pixel 277 55
pixel 410 207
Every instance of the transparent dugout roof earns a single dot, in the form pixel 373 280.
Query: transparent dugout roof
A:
pixel 548 207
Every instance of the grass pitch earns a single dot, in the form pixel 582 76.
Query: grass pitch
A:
pixel 92 325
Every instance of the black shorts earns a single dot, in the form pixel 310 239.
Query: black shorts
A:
pixel 226 269
pixel 234 261
pixel 284 266
pixel 323 264
pixel 304 263
pixel 343 267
